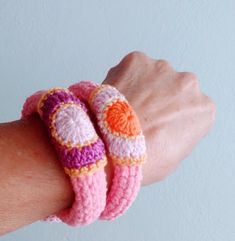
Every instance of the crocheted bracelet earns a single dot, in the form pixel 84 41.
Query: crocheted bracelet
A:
pixel 122 135
pixel 80 151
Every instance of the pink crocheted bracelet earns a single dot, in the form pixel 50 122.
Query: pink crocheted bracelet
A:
pixel 80 151
pixel 125 142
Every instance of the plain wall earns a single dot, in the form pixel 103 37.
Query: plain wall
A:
pixel 45 44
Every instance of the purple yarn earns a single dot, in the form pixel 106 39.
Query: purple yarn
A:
pixel 54 100
pixel 79 157
pixel 71 157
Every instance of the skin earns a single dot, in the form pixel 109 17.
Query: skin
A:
pixel 173 112
pixel 174 115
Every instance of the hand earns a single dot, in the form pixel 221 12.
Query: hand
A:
pixel 173 111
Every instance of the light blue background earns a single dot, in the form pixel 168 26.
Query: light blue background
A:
pixel 55 43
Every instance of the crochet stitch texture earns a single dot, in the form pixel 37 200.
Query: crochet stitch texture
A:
pixel 80 150
pixel 122 135
pixel 83 153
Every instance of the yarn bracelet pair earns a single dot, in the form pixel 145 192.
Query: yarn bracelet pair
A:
pixel 121 132
pixel 79 149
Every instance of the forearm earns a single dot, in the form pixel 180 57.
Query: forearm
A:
pixel 32 182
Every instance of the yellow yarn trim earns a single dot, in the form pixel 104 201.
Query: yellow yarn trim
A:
pixel 86 170
pixel 127 161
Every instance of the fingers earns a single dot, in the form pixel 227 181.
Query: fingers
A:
pixel 187 80
pixel 210 107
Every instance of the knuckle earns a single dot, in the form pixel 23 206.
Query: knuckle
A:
pixel 211 106
pixel 112 70
pixel 188 80
pixel 163 65
pixel 190 77
pixel 133 59
pixel 135 55
pixel 128 64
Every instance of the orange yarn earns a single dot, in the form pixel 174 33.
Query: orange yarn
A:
pixel 86 170
pixel 130 161
pixel 121 118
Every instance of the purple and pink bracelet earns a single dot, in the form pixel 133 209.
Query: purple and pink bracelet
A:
pixel 83 153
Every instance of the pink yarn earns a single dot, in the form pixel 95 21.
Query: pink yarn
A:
pixel 30 105
pixel 83 89
pixel 89 203
pixel 89 188
pixel 126 147
pixel 127 177
pixel 82 153
pixel 125 186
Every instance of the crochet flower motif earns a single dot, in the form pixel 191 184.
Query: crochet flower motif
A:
pixel 67 121
pixel 121 118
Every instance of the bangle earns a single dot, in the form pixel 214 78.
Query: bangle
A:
pixel 122 134
pixel 79 149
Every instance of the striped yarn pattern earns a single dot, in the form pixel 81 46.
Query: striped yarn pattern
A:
pixel 80 151
pixel 122 135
